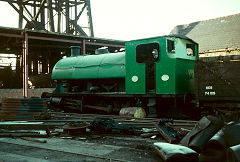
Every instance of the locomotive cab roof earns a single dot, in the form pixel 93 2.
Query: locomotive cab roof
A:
pixel 171 35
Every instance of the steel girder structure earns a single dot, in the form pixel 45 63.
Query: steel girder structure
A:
pixel 63 16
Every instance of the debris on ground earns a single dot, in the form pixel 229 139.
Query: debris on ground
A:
pixel 218 148
pixel 23 109
pixel 202 133
pixel 168 132
pixel 75 128
pixel 136 112
pixel 211 139
pixel 173 152
pixel 233 153
pixel 108 125
pixel 34 140
pixel 180 140
pixel 24 129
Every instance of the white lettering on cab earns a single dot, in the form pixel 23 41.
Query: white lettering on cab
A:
pixel 209 87
pixel 210 93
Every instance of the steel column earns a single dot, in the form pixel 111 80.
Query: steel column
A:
pixel 50 15
pixel 25 65
pixel 34 7
pixel 83 46
pixel 35 65
pixel 89 15
pixel 59 4
pixel 67 16
pixel 75 13
pixel 20 21
pixel 41 10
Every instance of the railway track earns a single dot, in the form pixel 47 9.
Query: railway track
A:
pixel 143 122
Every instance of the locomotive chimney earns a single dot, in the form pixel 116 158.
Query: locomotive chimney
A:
pixel 75 51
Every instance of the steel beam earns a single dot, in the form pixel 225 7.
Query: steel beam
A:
pixel 39 11
pixel 50 15
pixel 75 11
pixel 104 44
pixel 55 39
pixel 11 35
pixel 80 13
pixel 67 16
pixel 42 14
pixel 109 44
pixel 90 23
pixel 78 28
pixel 29 14
pixel 15 8
pixel 33 11
pixel 34 7
pixel 20 21
pixel 59 4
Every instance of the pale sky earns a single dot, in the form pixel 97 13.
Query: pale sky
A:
pixel 133 19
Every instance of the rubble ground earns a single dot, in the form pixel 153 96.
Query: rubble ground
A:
pixel 92 137
pixel 98 148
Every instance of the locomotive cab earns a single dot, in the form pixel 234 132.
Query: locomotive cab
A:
pixel 161 69
pixel 160 65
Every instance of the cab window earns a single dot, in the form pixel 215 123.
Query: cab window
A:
pixel 170 46
pixel 190 48
pixel 147 53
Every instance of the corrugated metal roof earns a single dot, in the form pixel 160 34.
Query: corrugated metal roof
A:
pixel 213 34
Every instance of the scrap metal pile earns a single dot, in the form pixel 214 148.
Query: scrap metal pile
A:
pixel 209 139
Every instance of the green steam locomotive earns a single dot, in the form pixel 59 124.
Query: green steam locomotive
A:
pixel 156 74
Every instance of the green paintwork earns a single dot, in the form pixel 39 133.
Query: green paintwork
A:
pixel 90 67
pixel 184 67
pixel 178 66
pixel 134 69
